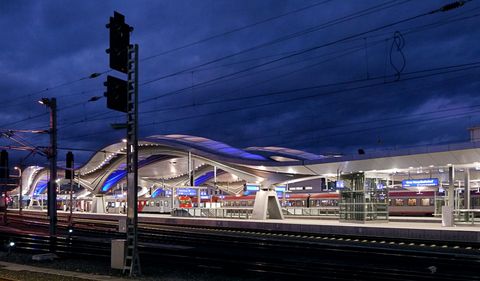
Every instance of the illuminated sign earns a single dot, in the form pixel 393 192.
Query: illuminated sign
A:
pixel 340 184
pixel 420 182
pixel 280 188
pixel 186 191
pixel 251 187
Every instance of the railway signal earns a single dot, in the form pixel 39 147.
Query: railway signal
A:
pixel 116 93
pixel 69 166
pixel 123 96
pixel 119 42
pixel 4 174
pixel 119 54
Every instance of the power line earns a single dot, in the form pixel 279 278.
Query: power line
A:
pixel 287 56
pixel 444 70
pixel 447 69
pixel 416 122
pixel 235 30
pixel 278 40
pixel 406 32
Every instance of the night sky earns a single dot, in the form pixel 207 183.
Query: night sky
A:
pixel 320 76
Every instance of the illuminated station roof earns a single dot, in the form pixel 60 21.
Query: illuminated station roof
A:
pixel 164 161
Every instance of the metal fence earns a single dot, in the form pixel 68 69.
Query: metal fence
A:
pixel 233 213
pixel 309 212
pixel 363 212
pixel 467 216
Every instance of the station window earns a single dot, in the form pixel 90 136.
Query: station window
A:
pixel 399 202
pixel 412 202
pixel 425 201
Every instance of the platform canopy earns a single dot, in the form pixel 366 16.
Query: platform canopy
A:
pixel 178 160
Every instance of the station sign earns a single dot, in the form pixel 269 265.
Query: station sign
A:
pixel 280 188
pixel 251 187
pixel 186 191
pixel 420 182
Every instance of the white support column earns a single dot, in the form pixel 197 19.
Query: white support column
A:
pixel 451 186
pixel 447 210
pixel 266 203
pixel 467 189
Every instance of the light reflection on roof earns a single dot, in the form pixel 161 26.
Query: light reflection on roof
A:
pixel 209 144
pixel 282 151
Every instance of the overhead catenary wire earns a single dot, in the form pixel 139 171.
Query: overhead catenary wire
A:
pixel 314 48
pixel 406 31
pixel 281 39
pixel 98 74
pixel 445 70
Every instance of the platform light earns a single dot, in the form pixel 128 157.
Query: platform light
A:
pixel 124 140
pixel 70 230
pixel 11 244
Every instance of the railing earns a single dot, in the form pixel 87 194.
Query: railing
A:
pixel 312 211
pixel 233 213
pixel 467 216
pixel 363 212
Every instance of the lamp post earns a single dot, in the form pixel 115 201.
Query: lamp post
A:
pixel 52 155
pixel 20 193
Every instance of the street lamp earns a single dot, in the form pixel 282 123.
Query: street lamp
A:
pixel 20 194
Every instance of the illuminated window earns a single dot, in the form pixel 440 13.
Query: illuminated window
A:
pixel 412 202
pixel 425 202
pixel 399 202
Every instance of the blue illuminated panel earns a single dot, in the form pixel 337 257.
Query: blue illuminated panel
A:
pixel 157 192
pixel 280 188
pixel 112 179
pixel 41 186
pixel 186 191
pixel 420 182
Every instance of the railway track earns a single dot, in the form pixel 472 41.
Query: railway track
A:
pixel 283 255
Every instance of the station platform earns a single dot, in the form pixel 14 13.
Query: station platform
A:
pixel 411 228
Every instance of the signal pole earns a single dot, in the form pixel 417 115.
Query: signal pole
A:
pixel 132 261
pixel 123 96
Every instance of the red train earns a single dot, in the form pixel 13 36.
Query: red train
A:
pixel 401 202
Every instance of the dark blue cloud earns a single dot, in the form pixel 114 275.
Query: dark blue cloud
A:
pixel 49 43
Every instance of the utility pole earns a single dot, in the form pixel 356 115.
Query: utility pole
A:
pixel 52 156
pixel 52 192
pixel 69 174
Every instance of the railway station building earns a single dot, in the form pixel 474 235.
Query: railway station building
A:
pixel 439 180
